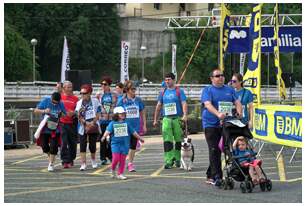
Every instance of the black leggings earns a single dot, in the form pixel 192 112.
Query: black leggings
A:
pixel 53 147
pixel 213 136
pixel 92 138
pixel 105 147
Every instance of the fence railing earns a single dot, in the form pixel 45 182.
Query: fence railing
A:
pixel 147 91
pixel 34 119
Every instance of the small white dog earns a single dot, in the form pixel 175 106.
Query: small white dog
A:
pixel 187 154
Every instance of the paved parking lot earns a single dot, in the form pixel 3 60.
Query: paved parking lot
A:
pixel 26 179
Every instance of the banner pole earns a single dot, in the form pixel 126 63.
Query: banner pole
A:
pixel 191 57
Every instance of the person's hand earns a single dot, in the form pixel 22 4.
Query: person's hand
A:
pixel 155 123
pixel 141 140
pixel 250 124
pixel 221 116
pixel 47 111
pixel 103 139
pixel 184 118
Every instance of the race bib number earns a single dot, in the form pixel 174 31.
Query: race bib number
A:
pixel 170 109
pixel 107 107
pixel 225 108
pixel 132 112
pixel 120 130
pixel 89 114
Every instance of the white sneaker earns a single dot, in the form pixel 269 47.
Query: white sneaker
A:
pixel 94 164
pixel 50 168
pixel 121 177
pixel 113 175
pixel 83 167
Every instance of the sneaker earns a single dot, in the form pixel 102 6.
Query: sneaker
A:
pixel 168 166
pixel 113 175
pixel 50 168
pixel 131 167
pixel 121 177
pixel 83 167
pixel 210 181
pixel 66 165
pixel 94 164
pixel 103 162
pixel 178 163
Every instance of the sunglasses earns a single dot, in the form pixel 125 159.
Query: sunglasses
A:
pixel 104 84
pixel 219 75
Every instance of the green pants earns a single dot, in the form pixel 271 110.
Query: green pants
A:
pixel 172 136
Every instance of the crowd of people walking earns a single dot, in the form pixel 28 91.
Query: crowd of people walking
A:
pixel 117 119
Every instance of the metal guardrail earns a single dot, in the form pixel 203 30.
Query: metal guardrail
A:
pixel 147 92
pixel 36 118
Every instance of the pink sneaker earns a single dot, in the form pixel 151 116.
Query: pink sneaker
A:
pixel 131 167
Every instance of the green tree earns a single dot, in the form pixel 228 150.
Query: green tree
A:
pixel 92 32
pixel 17 56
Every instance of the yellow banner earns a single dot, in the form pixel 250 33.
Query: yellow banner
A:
pixel 252 78
pixel 279 124
pixel 224 31
pixel 280 81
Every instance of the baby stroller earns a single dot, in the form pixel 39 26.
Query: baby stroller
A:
pixel 231 129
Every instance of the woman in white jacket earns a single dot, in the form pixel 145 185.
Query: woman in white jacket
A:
pixel 89 111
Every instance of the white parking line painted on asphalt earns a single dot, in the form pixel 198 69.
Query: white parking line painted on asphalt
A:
pixel 294 172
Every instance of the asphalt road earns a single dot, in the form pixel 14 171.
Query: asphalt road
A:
pixel 26 179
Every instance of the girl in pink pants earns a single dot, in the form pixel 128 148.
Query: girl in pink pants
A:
pixel 120 132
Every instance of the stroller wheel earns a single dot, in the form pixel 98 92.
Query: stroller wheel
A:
pixel 262 186
pixel 249 186
pixel 269 185
pixel 242 187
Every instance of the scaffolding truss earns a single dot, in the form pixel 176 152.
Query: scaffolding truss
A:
pixel 200 22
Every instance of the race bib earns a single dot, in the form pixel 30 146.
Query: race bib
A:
pixel 89 114
pixel 225 108
pixel 52 125
pixel 132 112
pixel 107 107
pixel 170 109
pixel 120 130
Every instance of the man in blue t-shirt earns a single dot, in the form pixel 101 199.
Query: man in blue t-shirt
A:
pixel 173 100
pixel 218 100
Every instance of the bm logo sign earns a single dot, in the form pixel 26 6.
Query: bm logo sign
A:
pixel 261 122
pixel 288 125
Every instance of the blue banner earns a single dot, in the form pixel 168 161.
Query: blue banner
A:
pixel 290 39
